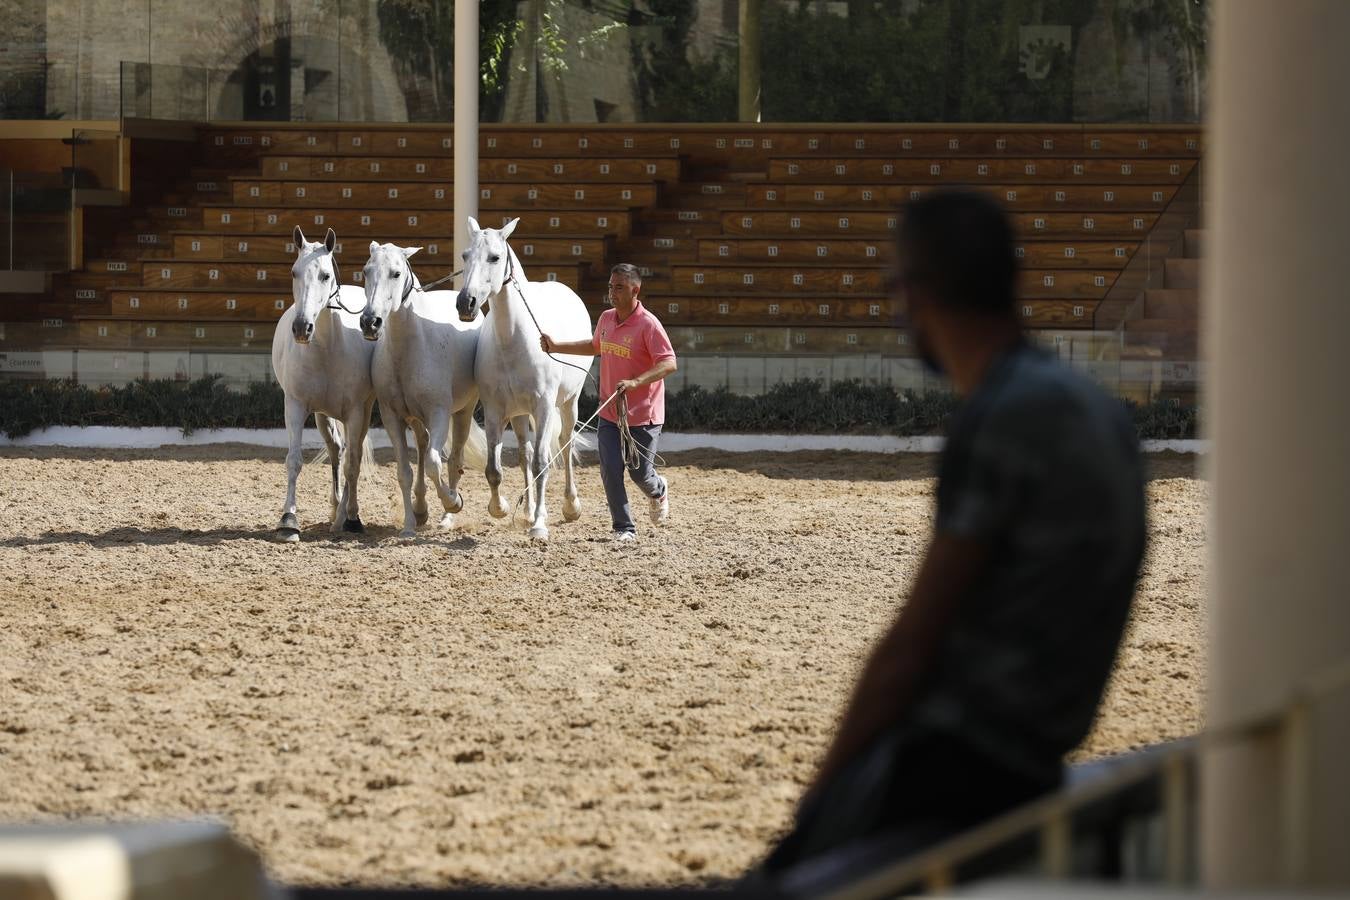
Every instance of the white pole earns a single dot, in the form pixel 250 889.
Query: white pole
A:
pixel 466 121
pixel 1275 318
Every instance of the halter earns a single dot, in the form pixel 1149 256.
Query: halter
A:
pixel 333 298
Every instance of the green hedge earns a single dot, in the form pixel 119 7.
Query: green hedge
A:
pixel 800 407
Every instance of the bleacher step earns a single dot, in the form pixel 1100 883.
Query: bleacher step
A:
pixel 1174 303
pixel 1181 273
pixel 1195 240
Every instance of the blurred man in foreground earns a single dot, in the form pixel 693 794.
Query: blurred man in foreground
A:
pixel 994 668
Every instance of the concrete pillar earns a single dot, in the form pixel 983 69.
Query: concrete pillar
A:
pixel 749 90
pixel 466 123
pixel 1276 322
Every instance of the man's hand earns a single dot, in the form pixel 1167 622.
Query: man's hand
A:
pixel 627 384
pixel 546 343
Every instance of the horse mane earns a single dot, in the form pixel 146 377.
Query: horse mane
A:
pixel 516 268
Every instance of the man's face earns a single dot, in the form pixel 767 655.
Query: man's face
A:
pixel 623 292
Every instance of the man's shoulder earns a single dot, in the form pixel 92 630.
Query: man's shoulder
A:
pixel 1035 401
pixel 647 317
pixel 1034 383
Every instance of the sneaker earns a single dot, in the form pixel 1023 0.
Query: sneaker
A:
pixel 624 537
pixel 661 507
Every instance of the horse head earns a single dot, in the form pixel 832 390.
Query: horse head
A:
pixel 487 265
pixel 389 282
pixel 314 282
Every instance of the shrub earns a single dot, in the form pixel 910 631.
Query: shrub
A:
pixel 798 407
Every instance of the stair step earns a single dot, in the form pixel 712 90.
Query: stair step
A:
pixel 1174 303
pixel 1195 240
pixel 1181 273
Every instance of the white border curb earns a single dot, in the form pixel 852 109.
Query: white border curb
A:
pixel 106 438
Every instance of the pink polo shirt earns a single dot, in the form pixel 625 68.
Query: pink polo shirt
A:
pixel 626 350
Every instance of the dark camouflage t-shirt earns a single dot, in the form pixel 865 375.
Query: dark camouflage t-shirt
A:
pixel 1044 468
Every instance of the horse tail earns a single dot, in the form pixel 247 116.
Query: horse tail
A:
pixel 579 442
pixel 367 458
pixel 323 423
pixel 552 438
pixel 475 447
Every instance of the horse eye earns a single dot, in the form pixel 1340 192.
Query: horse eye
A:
pixel 395 274
pixel 324 276
pixel 494 258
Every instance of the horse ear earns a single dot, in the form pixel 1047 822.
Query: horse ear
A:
pixel 299 237
pixel 510 227
pixel 374 245
pixel 474 227
pixel 409 251
pixel 330 240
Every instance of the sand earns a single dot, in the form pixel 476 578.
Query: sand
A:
pixel 468 707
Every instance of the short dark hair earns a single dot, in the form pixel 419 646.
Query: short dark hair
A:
pixel 629 271
pixel 960 245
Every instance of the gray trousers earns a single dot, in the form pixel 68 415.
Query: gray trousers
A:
pixel 612 469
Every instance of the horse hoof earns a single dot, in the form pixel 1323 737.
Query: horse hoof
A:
pixel 289 530
pixel 497 510
pixel 456 504
pixel 407 533
pixel 571 513
pixel 420 517
pixel 354 526
pixel 447 521
pixel 539 533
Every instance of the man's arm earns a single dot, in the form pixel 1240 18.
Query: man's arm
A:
pixel 662 368
pixel 574 348
pixel 903 659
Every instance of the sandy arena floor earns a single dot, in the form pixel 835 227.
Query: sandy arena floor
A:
pixel 466 707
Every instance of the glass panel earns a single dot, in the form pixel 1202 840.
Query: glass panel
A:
pixel 705 371
pixel 745 375
pixel 671 61
pixel 611 61
pixel 982 61
pixel 37 221
pixel 95 164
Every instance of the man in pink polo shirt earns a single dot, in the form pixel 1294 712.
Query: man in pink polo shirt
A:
pixel 635 357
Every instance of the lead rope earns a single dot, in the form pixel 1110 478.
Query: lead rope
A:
pixel 562 448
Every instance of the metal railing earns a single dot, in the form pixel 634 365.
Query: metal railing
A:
pixel 1044 829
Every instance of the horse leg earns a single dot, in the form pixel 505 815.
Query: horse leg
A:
pixel 331 433
pixel 571 503
pixel 544 422
pixel 461 425
pixel 420 484
pixel 289 527
pixel 521 426
pixel 438 433
pixel 398 436
pixel 492 429
pixel 357 428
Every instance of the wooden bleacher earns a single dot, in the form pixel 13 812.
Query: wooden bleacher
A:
pixel 772 226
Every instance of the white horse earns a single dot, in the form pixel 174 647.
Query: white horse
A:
pixel 515 377
pixel 424 378
pixel 323 365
